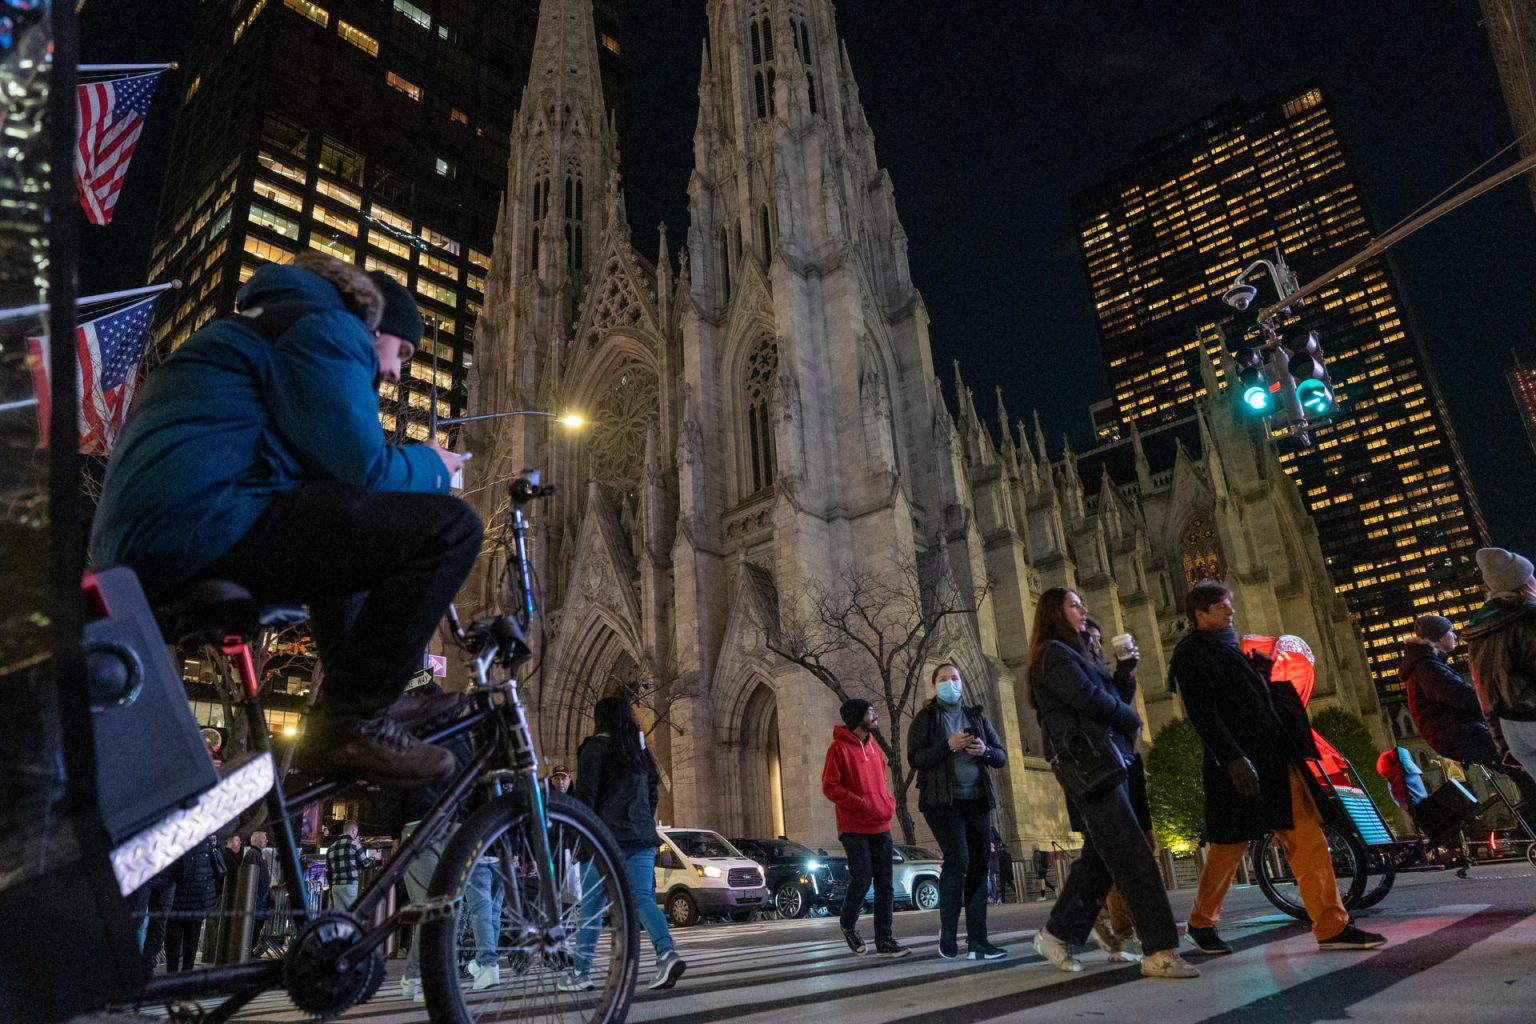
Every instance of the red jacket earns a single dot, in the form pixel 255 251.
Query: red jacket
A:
pixel 854 779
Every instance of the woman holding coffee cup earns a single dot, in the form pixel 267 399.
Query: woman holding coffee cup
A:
pixel 1073 693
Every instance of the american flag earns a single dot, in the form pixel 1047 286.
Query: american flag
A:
pixel 111 118
pixel 109 350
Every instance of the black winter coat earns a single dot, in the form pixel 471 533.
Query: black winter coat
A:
pixel 1501 642
pixel 1444 706
pixel 928 752
pixel 196 894
pixel 1238 713
pixel 1070 688
pixel 624 798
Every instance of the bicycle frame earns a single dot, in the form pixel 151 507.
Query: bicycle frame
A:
pixel 504 647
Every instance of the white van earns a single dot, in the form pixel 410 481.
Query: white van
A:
pixel 700 874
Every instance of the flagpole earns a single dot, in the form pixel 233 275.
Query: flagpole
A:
pixel 21 312
pixel 106 69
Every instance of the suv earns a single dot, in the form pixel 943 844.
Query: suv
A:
pixel 914 877
pixel 699 874
pixel 799 878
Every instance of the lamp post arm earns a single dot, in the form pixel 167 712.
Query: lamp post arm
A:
pixel 495 416
pixel 1391 238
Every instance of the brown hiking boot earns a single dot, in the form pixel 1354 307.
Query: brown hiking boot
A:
pixel 424 711
pixel 374 749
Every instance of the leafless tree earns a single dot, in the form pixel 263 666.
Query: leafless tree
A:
pixel 871 634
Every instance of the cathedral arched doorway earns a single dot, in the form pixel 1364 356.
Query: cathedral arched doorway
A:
pixel 761 772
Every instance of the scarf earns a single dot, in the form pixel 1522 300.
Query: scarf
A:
pixel 1227 636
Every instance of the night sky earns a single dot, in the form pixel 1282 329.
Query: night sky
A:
pixel 989 115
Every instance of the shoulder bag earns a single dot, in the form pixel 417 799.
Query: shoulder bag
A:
pixel 1087 766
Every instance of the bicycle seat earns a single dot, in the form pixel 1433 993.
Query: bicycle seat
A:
pixel 218 608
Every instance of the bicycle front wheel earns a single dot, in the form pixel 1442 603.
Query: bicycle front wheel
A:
pixel 496 957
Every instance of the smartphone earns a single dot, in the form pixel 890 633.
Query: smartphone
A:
pixel 457 480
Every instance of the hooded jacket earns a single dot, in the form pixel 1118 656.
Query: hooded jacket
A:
pixel 232 419
pixel 929 754
pixel 1444 706
pixel 1501 639
pixel 854 778
pixel 624 798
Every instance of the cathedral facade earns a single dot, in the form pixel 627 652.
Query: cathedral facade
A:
pixel 765 414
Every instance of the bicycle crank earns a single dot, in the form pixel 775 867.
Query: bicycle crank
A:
pixel 312 973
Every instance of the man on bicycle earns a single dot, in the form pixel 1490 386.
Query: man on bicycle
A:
pixel 255 455
pixel 1256 739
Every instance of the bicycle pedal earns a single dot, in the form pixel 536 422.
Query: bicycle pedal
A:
pixel 434 909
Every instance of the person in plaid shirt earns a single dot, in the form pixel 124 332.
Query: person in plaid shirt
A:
pixel 344 863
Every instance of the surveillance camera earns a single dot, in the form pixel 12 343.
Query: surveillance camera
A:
pixel 1240 296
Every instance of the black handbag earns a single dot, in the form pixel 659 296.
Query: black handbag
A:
pixel 1087 766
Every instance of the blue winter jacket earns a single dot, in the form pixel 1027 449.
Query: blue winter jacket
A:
pixel 230 420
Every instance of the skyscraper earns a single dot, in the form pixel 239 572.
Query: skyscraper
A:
pixel 1511 28
pixel 373 130
pixel 1162 238
pixel 1522 382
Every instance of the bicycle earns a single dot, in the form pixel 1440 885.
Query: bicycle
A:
pixel 541 847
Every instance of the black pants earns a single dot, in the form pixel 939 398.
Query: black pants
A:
pixel 155 898
pixel 181 935
pixel 964 831
pixel 377 571
pixel 869 859
pixel 1115 853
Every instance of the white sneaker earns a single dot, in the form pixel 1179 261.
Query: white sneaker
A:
pixel 410 988
pixel 574 981
pixel 1121 951
pixel 1054 950
pixel 1166 963
pixel 485 976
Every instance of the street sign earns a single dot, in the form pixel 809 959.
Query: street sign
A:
pixel 438 663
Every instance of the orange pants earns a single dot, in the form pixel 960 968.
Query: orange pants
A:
pixel 1307 852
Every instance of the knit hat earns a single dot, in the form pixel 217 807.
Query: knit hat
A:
pixel 401 317
pixel 1431 627
pixel 853 712
pixel 1504 572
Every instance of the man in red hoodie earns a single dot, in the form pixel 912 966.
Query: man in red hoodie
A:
pixel 854 779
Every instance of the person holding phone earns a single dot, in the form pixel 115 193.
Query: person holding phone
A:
pixel 955 750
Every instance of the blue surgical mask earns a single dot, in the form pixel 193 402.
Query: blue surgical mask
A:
pixel 950 691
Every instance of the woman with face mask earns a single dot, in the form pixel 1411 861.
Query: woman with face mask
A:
pixel 1071 692
pixel 955 750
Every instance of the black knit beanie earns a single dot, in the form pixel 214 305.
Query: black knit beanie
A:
pixel 401 317
pixel 853 712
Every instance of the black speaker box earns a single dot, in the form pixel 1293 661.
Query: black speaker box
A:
pixel 150 756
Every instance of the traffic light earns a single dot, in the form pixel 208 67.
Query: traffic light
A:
pixel 1254 388
pixel 1307 369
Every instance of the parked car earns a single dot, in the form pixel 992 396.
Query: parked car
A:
pixel 799 879
pixel 700 874
pixel 914 877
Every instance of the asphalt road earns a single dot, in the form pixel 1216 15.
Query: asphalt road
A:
pixel 1460 952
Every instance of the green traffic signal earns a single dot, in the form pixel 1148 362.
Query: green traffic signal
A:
pixel 1258 400
pixel 1315 397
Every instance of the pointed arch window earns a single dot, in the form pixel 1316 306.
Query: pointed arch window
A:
pixel 762 379
pixel 757 44
pixel 761 95
pixel 764 227
pixel 723 240
pixel 761 33
pixel 1200 551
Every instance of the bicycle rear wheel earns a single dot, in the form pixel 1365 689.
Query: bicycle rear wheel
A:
pixel 1278 881
pixel 485 865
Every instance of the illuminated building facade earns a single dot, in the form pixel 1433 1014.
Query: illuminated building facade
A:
pixel 1164 236
pixel 1522 382
pixel 1511 28
pixel 373 130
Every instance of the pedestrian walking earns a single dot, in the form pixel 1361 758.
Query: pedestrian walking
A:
pixel 344 864
pixel 1501 638
pixel 256 857
pixel 152 907
pixel 954 750
pixel 1445 706
pixel 1115 930
pixel 1078 701
pixel 854 777
pixel 1042 865
pixel 1256 739
pixel 1005 873
pixel 196 897
pixel 230 854
pixel 617 777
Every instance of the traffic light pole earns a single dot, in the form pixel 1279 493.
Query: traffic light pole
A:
pixel 1391 238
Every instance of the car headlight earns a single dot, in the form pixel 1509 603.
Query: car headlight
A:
pixel 812 865
pixel 713 872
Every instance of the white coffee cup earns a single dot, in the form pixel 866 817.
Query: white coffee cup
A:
pixel 1122 644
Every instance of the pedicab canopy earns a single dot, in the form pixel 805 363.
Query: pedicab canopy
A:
pixel 1295 665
